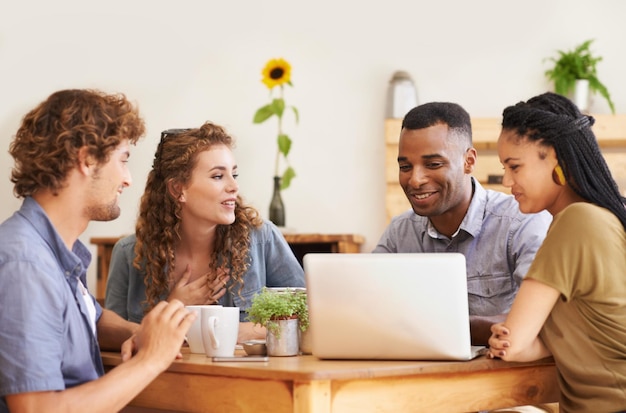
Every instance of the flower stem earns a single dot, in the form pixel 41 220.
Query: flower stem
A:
pixel 280 131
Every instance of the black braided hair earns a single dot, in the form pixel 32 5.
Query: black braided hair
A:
pixel 553 120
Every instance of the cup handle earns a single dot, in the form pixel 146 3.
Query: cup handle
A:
pixel 211 327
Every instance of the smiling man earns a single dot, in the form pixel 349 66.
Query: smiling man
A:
pixel 71 155
pixel 452 212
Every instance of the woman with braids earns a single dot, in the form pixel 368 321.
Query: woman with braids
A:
pixel 572 302
pixel 195 240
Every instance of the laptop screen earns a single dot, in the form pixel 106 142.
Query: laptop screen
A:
pixel 388 306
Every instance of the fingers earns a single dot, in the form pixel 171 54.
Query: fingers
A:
pixel 128 347
pixel 494 353
pixel 201 290
pixel 219 282
pixel 218 286
pixel 499 329
pixel 215 297
pixel 172 316
pixel 499 341
pixel 188 317
pixel 162 332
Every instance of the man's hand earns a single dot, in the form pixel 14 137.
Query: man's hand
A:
pixel 160 334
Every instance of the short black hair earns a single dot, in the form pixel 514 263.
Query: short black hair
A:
pixel 434 113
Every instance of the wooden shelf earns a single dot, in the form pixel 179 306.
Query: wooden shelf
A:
pixel 610 130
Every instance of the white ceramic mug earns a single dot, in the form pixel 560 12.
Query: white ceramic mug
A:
pixel 220 328
pixel 194 335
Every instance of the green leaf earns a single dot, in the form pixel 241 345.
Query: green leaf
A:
pixel 284 144
pixel 278 107
pixel 577 64
pixel 287 177
pixel 596 85
pixel 295 112
pixel 263 114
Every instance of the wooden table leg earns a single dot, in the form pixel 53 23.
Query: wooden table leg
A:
pixel 312 396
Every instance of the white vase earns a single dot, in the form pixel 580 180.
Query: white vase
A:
pixel 580 96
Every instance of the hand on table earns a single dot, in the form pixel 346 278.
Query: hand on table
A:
pixel 498 342
pixel 160 334
pixel 250 331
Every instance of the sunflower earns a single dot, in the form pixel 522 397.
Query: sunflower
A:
pixel 276 72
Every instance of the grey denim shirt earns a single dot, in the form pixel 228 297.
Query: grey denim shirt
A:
pixel 499 243
pixel 272 264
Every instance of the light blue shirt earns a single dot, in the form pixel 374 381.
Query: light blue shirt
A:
pixel 498 241
pixel 272 264
pixel 46 342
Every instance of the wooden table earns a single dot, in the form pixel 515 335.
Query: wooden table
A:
pixel 300 244
pixel 306 384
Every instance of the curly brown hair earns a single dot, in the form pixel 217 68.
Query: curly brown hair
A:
pixel 47 143
pixel 158 224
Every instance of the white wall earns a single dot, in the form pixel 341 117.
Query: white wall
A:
pixel 189 61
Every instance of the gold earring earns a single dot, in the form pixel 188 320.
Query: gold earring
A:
pixel 558 176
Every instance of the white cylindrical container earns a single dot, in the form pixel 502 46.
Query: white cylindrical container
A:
pixel 580 95
pixel 401 95
pixel 288 342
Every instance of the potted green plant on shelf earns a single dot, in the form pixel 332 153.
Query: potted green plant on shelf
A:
pixel 283 312
pixel 575 74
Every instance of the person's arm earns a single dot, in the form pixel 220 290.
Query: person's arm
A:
pixel 517 339
pixel 119 277
pixel 480 327
pixel 282 268
pixel 250 331
pixel 157 341
pixel 113 330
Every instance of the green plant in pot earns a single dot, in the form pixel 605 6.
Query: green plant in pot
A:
pixel 271 305
pixel 273 309
pixel 574 65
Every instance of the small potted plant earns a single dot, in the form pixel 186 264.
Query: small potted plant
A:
pixel 282 312
pixel 575 74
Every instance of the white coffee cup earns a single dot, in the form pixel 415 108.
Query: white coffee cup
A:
pixel 194 335
pixel 220 328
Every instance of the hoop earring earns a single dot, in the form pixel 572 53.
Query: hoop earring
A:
pixel 558 176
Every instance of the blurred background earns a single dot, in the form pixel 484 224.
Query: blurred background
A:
pixel 190 61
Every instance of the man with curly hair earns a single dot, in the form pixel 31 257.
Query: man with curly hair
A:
pixel 71 155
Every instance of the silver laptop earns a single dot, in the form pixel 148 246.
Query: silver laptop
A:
pixel 389 306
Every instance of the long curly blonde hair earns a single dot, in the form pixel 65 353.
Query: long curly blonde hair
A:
pixel 158 224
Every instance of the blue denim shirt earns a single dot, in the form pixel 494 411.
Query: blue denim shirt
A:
pixel 46 342
pixel 498 241
pixel 272 264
